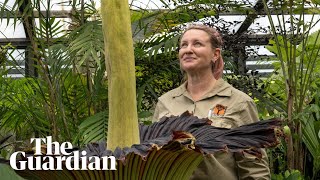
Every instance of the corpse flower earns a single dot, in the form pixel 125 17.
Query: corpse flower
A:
pixel 171 149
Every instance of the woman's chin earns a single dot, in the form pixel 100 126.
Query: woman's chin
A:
pixel 189 67
pixel 191 71
pixel 196 70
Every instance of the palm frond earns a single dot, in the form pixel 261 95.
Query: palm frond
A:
pixel 87 43
pixel 94 128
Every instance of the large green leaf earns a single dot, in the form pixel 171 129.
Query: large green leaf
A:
pixel 87 43
pixel 7 173
pixel 310 130
pixel 94 128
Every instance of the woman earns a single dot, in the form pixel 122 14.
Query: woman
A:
pixel 206 94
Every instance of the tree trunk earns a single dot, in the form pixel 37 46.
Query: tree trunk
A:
pixel 123 119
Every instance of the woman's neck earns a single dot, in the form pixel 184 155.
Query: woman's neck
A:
pixel 199 85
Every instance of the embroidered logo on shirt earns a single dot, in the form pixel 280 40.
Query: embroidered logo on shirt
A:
pixel 218 110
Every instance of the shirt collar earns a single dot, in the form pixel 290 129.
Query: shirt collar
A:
pixel 222 88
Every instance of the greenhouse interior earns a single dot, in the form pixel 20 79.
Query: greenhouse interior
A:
pixel 90 73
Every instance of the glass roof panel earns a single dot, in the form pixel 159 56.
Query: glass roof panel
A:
pixel 11 31
pixel 63 22
pixel 231 23
pixel 149 4
pixel 262 23
pixel 259 50
pixel 10 3
pixel 169 4
pixel 56 5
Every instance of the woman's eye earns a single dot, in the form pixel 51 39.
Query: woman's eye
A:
pixel 183 45
pixel 197 44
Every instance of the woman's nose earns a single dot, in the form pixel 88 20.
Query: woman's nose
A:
pixel 188 49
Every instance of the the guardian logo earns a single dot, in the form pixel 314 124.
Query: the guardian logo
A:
pixel 54 160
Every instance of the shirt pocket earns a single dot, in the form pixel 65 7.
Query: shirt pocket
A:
pixel 222 122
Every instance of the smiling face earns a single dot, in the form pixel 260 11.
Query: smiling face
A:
pixel 196 52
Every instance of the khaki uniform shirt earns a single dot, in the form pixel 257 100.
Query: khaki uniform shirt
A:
pixel 239 109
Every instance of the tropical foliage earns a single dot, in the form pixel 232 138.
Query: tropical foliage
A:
pixel 65 82
pixel 297 55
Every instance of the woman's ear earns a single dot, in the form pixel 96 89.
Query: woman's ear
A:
pixel 216 54
pixel 218 64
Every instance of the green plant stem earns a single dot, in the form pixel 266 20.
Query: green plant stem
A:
pixel 290 152
pixel 310 68
pixel 274 32
pixel 123 118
